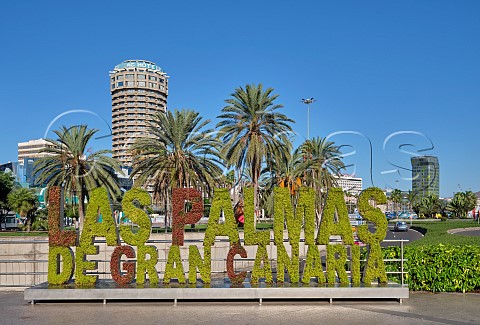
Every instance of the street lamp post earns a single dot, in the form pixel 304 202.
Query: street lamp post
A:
pixel 307 102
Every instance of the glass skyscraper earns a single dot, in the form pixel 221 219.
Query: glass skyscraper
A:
pixel 425 176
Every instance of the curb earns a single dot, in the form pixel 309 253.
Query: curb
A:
pixel 454 231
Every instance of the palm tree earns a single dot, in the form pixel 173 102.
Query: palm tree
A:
pixel 429 205
pixel 396 198
pixel 321 166
pixel 24 202
pixel 179 153
pixel 252 130
pixel 286 173
pixel 461 203
pixel 71 164
pixel 411 199
pixel 6 185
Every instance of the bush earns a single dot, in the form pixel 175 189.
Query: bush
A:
pixel 438 268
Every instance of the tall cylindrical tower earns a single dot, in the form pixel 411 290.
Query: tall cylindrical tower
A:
pixel 139 90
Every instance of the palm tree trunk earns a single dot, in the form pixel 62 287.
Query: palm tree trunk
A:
pixel 29 221
pixel 81 209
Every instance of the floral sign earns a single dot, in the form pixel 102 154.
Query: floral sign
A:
pixel 63 262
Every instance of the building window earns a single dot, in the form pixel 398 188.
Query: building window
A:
pixel 120 77
pixel 130 83
pixel 152 78
pixel 141 84
pixel 120 84
pixel 129 76
pixel 141 76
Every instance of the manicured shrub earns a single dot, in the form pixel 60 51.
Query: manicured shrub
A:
pixel 303 213
pixel 375 268
pixel 174 267
pixel 98 205
pixel 221 202
pixel 66 267
pixel 335 206
pixel 59 242
pixel 252 236
pixel 236 249
pixel 147 266
pixel 291 264
pixel 336 265
pixel 313 266
pixel 204 265
pixel 437 268
pixel 57 236
pixel 261 267
pixel 136 215
pixel 181 196
pixel 129 267
pixel 444 268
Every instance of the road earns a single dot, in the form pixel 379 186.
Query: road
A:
pixel 410 235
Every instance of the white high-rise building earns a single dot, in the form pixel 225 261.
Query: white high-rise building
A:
pixel 32 149
pixel 350 184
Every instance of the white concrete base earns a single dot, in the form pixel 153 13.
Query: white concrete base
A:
pixel 107 290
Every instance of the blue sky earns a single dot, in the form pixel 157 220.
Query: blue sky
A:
pixel 376 68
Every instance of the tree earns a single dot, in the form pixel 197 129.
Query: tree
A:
pixel 252 130
pixel 179 153
pixel 24 202
pixel 396 198
pixel 71 164
pixel 412 198
pixel 286 173
pixel 429 205
pixel 321 166
pixel 6 185
pixel 461 203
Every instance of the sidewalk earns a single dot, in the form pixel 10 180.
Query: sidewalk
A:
pixel 420 308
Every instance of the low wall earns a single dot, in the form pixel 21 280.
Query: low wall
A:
pixel 24 260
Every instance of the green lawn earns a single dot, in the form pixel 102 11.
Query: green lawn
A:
pixel 436 233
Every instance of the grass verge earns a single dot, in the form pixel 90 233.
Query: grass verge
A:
pixel 436 233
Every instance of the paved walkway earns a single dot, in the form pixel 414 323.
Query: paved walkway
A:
pixel 420 308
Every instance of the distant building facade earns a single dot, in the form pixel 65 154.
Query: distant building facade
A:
pixel 23 172
pixel 350 184
pixel 425 175
pixel 139 90
pixel 32 149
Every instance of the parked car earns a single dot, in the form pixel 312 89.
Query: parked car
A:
pixel 390 215
pixel 400 226
pixel 407 215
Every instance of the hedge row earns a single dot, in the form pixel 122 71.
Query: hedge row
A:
pixel 438 268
